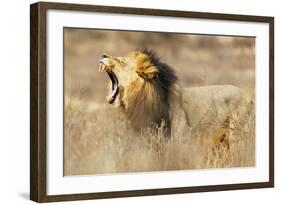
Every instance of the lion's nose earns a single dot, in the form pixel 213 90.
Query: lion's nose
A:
pixel 105 55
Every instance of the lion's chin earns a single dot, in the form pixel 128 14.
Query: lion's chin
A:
pixel 114 83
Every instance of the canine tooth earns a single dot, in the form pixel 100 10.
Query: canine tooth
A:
pixel 109 99
pixel 101 68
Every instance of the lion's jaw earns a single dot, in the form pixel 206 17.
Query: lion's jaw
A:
pixel 120 73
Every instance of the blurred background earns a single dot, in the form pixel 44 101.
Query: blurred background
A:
pixel 197 59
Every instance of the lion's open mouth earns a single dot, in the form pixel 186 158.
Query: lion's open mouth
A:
pixel 114 83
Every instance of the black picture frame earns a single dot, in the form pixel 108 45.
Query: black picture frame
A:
pixel 38 101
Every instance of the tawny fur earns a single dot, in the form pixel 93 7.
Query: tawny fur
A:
pixel 150 94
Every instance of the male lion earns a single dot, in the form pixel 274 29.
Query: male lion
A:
pixel 148 92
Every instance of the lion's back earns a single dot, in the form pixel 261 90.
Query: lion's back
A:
pixel 207 104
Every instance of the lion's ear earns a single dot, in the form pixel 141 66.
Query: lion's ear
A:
pixel 147 73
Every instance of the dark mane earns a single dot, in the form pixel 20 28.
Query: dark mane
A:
pixel 166 76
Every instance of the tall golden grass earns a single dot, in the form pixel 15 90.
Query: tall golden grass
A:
pixel 99 140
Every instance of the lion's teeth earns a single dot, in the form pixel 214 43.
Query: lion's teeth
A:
pixel 109 99
pixel 101 68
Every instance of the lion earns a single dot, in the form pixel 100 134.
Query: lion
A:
pixel 149 94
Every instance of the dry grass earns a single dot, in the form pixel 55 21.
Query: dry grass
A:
pixel 99 140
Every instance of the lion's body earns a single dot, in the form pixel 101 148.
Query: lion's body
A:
pixel 208 109
pixel 149 94
pixel 207 103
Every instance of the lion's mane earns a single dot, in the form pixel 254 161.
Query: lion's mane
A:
pixel 146 100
